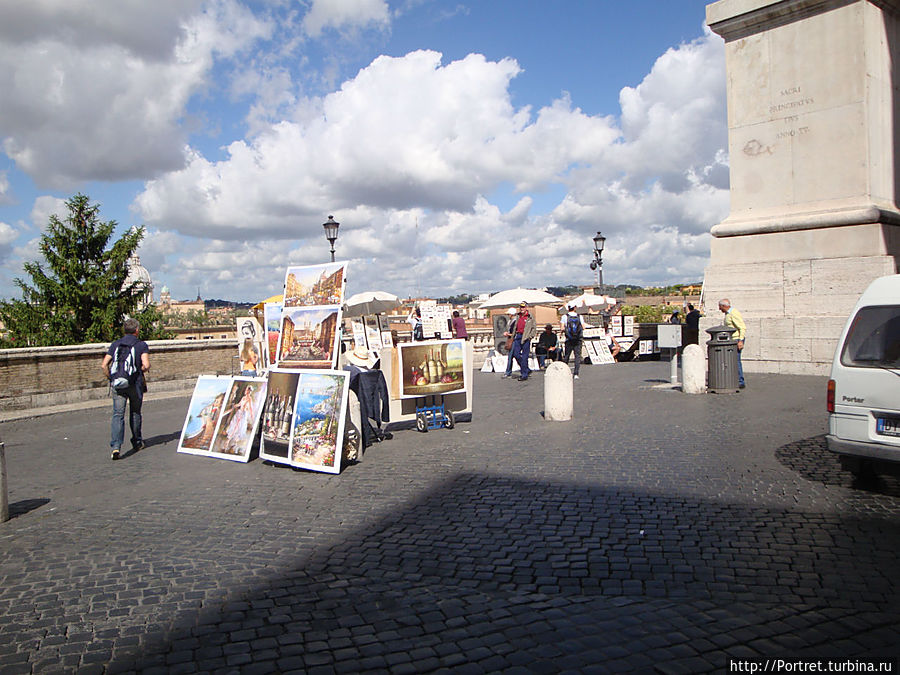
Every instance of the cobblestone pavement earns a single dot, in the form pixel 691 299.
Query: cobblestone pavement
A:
pixel 655 532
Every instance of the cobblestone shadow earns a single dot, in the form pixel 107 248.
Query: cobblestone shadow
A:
pixel 496 574
pixel 812 460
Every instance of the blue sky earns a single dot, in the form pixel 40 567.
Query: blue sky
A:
pixel 463 146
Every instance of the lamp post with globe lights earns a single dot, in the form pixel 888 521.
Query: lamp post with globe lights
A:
pixel 597 262
pixel 331 233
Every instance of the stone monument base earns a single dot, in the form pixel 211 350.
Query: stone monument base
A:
pixel 795 289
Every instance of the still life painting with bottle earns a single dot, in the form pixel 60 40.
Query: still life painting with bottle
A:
pixel 432 367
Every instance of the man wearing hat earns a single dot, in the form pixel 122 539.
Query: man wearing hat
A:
pixel 524 330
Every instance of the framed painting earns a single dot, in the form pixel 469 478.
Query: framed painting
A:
pixel 204 414
pixel 432 367
pixel 317 432
pixel 358 328
pixel 272 317
pixel 240 419
pixel 373 334
pixel 315 285
pixel 281 392
pixel 251 346
pixel 309 337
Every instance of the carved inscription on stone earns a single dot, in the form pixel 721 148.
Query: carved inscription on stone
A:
pixel 798 101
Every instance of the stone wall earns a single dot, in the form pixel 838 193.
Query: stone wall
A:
pixel 42 376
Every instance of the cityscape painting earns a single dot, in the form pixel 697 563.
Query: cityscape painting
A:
pixel 309 337
pixel 314 285
pixel 272 320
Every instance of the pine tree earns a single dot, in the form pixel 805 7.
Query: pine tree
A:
pixel 76 295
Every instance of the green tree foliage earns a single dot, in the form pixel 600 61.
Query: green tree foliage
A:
pixel 76 295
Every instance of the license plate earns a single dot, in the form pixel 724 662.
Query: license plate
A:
pixel 887 426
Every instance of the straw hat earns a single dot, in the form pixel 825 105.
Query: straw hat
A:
pixel 362 357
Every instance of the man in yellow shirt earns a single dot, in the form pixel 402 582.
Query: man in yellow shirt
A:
pixel 733 319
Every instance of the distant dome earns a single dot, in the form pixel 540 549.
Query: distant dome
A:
pixel 137 272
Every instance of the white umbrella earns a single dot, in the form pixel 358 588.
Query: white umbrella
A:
pixel 588 301
pixel 514 296
pixel 370 302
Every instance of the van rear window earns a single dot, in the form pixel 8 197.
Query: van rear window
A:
pixel 874 338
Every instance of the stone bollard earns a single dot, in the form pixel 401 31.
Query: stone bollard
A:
pixel 559 396
pixel 693 370
pixel 4 498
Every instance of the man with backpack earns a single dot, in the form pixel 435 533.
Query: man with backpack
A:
pixel 573 329
pixel 124 366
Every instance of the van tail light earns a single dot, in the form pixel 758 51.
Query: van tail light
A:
pixel 830 396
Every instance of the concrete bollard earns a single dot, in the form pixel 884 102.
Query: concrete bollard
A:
pixel 693 370
pixel 4 498
pixel 559 396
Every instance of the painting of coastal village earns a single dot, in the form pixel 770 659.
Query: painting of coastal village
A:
pixel 314 285
pixel 319 410
pixel 204 413
pixel 309 337
pixel 240 418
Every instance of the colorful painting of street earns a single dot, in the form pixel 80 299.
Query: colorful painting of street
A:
pixel 317 436
pixel 309 337
pixel 272 319
pixel 314 285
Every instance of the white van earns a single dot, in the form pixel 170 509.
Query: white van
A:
pixel 864 389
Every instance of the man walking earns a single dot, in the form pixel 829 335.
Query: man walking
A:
pixel 573 329
pixel 733 319
pixel 524 331
pixel 131 392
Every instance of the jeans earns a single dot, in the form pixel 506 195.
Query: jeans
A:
pixel 134 396
pixel 740 369
pixel 509 362
pixel 521 350
pixel 573 346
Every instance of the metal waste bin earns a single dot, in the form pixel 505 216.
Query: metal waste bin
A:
pixel 723 360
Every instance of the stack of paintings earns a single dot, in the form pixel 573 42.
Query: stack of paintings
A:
pixel 311 315
pixel 300 402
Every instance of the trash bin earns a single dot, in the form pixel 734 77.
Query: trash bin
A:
pixel 723 360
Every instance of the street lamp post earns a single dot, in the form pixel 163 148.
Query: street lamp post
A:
pixel 597 262
pixel 331 232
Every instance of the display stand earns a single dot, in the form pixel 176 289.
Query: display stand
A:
pixel 403 410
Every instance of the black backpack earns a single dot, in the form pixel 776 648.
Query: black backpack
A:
pixel 574 328
pixel 124 370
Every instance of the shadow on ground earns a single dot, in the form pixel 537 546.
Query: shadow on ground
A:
pixel 812 459
pixel 496 573
pixel 24 506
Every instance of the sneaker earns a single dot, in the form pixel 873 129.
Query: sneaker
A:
pixel 576 377
pixel 138 446
pixel 115 454
pixel 523 379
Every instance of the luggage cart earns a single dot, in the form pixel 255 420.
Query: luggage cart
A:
pixel 433 416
